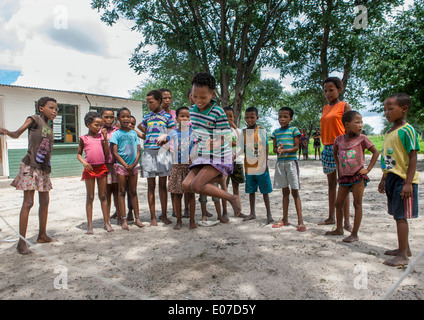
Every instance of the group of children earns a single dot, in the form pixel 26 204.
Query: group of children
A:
pixel 197 149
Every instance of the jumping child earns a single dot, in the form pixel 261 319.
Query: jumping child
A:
pixel 214 161
pixel 348 152
pixel 34 170
pixel 400 176
pixel 95 145
pixel 126 149
pixel 156 161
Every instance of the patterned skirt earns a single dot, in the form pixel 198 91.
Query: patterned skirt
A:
pixel 327 159
pixel 32 179
pixel 179 172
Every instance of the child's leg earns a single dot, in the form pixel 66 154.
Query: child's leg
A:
pixel 269 218
pixel 200 180
pixel 151 185
pixel 132 187
pixel 122 186
pixel 286 200
pixel 186 206
pixel 101 187
pixel 23 221
pixel 252 214
pixel 332 194
pixel 129 204
pixel 401 257
pixel 89 185
pixel 43 211
pixel 358 192
pixel 298 206
pixel 163 196
pixel 342 198
pixel 177 207
pixel 192 206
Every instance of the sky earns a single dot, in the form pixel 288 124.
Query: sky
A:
pixel 64 45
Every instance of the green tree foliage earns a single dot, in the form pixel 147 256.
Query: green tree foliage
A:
pixel 395 63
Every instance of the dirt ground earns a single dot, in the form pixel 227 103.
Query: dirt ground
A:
pixel 239 260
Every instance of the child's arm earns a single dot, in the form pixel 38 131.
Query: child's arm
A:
pixel 132 166
pixel 117 156
pixel 281 148
pixel 336 158
pixel 407 187
pixel 86 165
pixel 374 158
pixel 16 134
pixel 105 142
pixel 275 147
pixel 162 139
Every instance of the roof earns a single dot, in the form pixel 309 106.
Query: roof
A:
pixel 67 91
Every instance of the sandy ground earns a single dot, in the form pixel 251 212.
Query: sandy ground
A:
pixel 238 260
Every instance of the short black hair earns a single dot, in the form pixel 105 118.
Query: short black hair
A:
pixel 90 116
pixel 337 82
pixel 349 115
pixel 402 99
pixel 107 109
pixel 252 109
pixel 228 109
pixel 165 90
pixel 43 101
pixel 177 112
pixel 134 118
pixel 156 94
pixel 290 110
pixel 204 79
pixel 118 113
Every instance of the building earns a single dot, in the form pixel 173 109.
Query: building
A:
pixel 17 103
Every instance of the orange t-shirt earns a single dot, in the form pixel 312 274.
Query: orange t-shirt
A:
pixel 331 122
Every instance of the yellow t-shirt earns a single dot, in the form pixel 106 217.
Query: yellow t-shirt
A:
pixel 396 148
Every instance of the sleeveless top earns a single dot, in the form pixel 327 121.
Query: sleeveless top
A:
pixel 331 122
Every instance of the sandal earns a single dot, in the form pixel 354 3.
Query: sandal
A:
pixel 278 225
pixel 301 228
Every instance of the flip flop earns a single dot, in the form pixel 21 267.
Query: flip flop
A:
pixel 301 229
pixel 278 225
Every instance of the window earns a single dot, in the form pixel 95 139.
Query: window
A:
pixel 65 125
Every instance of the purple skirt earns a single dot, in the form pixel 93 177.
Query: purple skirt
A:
pixel 226 169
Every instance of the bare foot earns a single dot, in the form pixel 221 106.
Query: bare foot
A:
pixel 224 218
pixel 240 215
pixel 269 219
pixel 178 226
pixel 334 233
pixel 325 222
pixel 396 261
pixel 108 228
pixel 153 222
pixel 351 239
pixel 396 252
pixel 236 204
pixel 23 248
pixel 124 225
pixel 45 238
pixel 165 220
pixel 348 227
pixel 138 223
pixel 250 217
pixel 193 225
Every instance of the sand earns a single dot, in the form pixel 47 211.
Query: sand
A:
pixel 239 260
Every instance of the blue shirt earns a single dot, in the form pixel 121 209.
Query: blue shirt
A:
pixel 127 143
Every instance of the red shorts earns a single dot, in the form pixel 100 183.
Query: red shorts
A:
pixel 98 172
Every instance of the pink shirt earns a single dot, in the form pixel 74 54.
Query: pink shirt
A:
pixel 93 148
pixel 350 153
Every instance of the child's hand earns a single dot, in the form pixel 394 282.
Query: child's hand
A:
pixel 161 140
pixel 406 191
pixel 280 149
pixel 3 131
pixel 382 186
pixel 88 167
pixel 104 132
pixel 363 171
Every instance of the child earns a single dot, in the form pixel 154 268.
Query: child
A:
pixel 108 118
pixel 349 156
pixel 304 143
pixel 96 148
pixel 254 142
pixel 214 161
pixel 286 144
pixel 317 143
pixel 180 168
pixel 156 161
pixel 331 128
pixel 237 177
pixel 126 149
pixel 400 179
pixel 34 170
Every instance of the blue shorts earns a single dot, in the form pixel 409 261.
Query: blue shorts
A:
pixel 327 159
pixel 397 207
pixel 263 181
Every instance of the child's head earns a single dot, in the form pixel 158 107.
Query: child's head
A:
pixel 108 117
pixel 183 115
pixel 154 100
pixel 203 89
pixel 285 115
pixel 124 117
pixel 47 107
pixel 190 97
pixel 230 113
pixel 332 87
pixel 251 115
pixel 396 106
pixel 352 121
pixel 132 123
pixel 93 121
pixel 166 98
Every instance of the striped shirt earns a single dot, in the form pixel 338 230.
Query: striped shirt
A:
pixel 212 123
pixel 286 138
pixel 156 124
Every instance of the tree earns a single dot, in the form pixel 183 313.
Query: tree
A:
pixel 395 63
pixel 229 39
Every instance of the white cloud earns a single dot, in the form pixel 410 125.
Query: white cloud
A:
pixel 67 47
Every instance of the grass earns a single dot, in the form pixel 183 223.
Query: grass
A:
pixel 377 140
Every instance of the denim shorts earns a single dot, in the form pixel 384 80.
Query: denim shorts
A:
pixel 397 207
